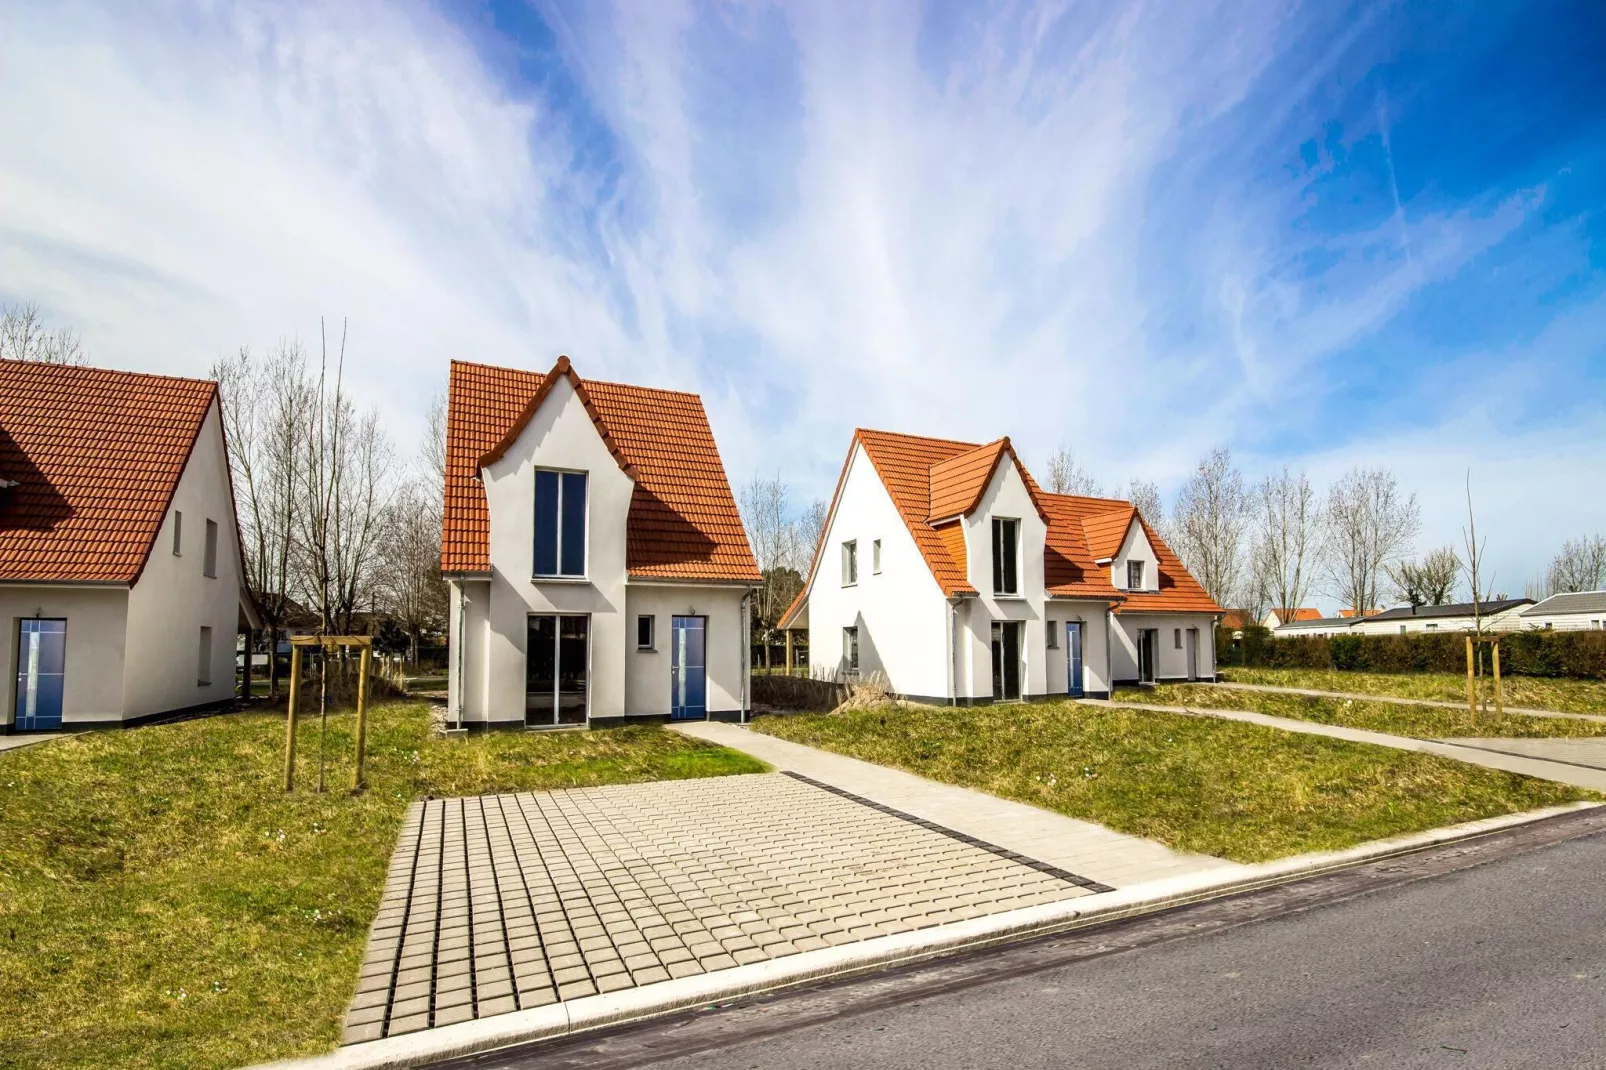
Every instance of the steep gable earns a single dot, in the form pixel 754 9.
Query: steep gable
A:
pixel 683 521
pixel 95 456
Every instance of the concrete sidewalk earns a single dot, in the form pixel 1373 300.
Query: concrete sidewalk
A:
pixel 1508 759
pixel 1361 696
pixel 27 739
pixel 1094 851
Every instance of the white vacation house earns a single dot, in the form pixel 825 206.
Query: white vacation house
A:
pixel 1497 614
pixel 598 566
pixel 1572 612
pixel 947 570
pixel 121 589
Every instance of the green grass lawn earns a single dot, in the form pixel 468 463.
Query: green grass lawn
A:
pixel 1423 722
pixel 1535 692
pixel 1224 788
pixel 164 904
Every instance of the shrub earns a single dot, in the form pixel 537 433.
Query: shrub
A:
pixel 1581 655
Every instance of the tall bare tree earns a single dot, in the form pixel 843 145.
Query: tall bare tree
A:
pixel 266 406
pixel 1290 536
pixel 808 530
pixel 1580 566
pixel 1208 525
pixel 1476 579
pixel 23 336
pixel 408 571
pixel 1370 525
pixel 773 536
pixel 344 471
pixel 1429 582
pixel 1067 476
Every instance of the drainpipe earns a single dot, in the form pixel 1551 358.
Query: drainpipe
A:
pixel 747 654
pixel 1109 651
pixel 951 629
pixel 457 588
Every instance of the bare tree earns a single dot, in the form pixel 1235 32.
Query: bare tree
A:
pixel 1580 566
pixel 1208 524
pixel 344 469
pixel 1145 494
pixel 1289 539
pixel 1429 582
pixel 809 529
pixel 773 536
pixel 432 453
pixel 1067 476
pixel 23 336
pixel 265 410
pixel 1370 525
pixel 1475 558
pixel 408 570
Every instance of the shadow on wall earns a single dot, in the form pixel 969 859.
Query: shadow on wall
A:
pixel 33 504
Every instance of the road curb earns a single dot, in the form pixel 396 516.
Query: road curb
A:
pixel 847 960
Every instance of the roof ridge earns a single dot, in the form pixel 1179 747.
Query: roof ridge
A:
pixel 923 438
pixel 583 379
pixel 61 369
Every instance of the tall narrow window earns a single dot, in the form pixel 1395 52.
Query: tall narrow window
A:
pixel 850 562
pixel 560 523
pixel 209 566
pixel 1006 548
pixel 875 557
pixel 203 663
pixel 644 628
pixel 850 649
pixel 178 533
pixel 1134 575
pixel 1177 638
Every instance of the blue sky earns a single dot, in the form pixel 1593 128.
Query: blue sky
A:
pixel 1323 234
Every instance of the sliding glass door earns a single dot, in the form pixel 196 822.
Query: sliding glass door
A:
pixel 557 659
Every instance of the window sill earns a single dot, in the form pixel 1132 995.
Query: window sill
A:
pixel 646 650
pixel 997 597
pixel 855 583
pixel 560 579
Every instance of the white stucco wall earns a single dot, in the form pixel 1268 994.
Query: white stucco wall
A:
pixel 173 598
pixel 1095 672
pixel 647 672
pixel 1170 662
pixel 97 617
pixel 560 435
pixel 1136 547
pixel 1006 496
pixel 468 634
pixel 1564 622
pixel 900 613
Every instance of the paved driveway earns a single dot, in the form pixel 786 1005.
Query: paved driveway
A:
pixel 502 902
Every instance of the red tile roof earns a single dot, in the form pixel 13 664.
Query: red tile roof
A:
pixel 683 521
pixel 96 456
pixel 1305 613
pixel 1350 613
pixel 927 476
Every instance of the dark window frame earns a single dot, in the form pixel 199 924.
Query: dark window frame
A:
pixel 1006 556
pixel 1135 569
pixel 561 538
pixel 652 632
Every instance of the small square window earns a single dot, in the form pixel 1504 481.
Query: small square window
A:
pixel 875 557
pixel 1134 575
pixel 209 563
pixel 850 562
pixel 644 632
pixel 1053 636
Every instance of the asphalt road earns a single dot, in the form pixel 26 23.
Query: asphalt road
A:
pixel 1499 965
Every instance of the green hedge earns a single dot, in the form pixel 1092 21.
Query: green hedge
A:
pixel 1581 655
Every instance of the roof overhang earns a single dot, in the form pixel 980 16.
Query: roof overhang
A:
pixel 691 581
pixel 11 581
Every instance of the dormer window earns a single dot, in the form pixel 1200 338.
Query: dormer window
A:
pixel 560 523
pixel 1006 552
pixel 1134 575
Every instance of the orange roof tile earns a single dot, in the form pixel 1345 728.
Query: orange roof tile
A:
pixel 683 521
pixel 96 456
pixel 1106 531
pixel 904 463
pixel 1070 567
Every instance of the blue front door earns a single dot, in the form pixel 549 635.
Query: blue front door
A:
pixel 1073 658
pixel 41 662
pixel 688 673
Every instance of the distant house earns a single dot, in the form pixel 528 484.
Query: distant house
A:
pixel 597 564
pixel 1578 611
pixel 1318 626
pixel 1236 620
pixel 1274 618
pixel 1369 613
pixel 948 571
pixel 121 589
pixel 1498 615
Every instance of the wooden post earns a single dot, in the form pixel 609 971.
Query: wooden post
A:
pixel 362 717
pixel 1472 701
pixel 1499 697
pixel 290 720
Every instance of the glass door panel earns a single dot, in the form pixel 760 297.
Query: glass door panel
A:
pixel 541 671
pixel 574 659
